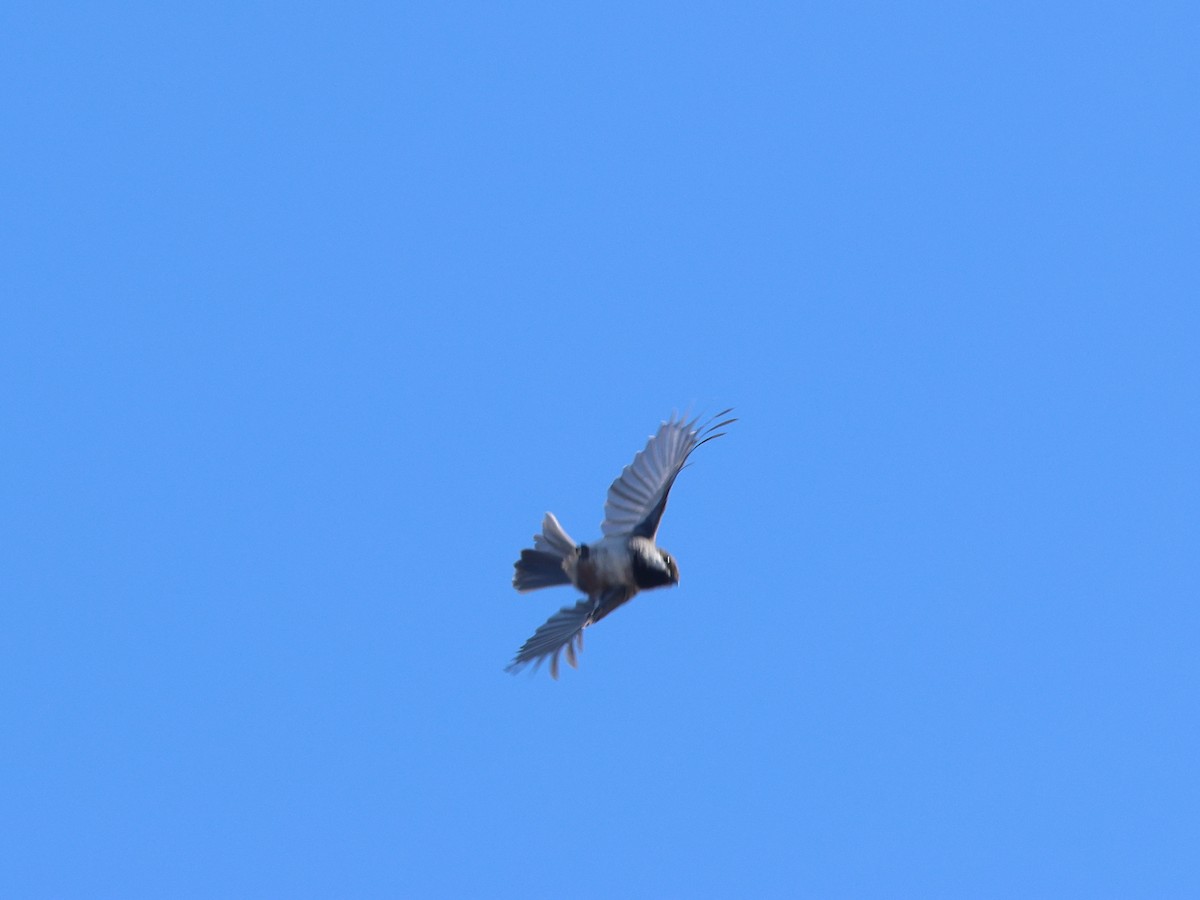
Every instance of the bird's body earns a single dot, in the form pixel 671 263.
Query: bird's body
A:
pixel 625 560
pixel 594 568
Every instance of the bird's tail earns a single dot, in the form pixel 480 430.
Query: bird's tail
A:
pixel 542 566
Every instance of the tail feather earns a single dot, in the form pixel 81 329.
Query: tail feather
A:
pixel 536 569
pixel 553 538
pixel 542 566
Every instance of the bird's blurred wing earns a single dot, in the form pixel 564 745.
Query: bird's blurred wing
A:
pixel 563 631
pixel 637 499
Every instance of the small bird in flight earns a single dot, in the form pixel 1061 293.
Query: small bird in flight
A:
pixel 625 560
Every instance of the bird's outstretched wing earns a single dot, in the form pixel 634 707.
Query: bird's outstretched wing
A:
pixel 563 631
pixel 637 499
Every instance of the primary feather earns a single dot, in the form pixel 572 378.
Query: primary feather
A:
pixel 638 497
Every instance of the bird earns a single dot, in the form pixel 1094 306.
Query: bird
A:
pixel 626 559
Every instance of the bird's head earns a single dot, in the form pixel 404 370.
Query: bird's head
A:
pixel 672 566
pixel 652 566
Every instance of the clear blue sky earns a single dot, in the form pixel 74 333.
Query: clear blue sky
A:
pixel 310 313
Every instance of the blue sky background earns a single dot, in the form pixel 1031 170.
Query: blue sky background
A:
pixel 310 313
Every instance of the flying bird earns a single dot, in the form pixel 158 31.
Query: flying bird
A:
pixel 625 560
